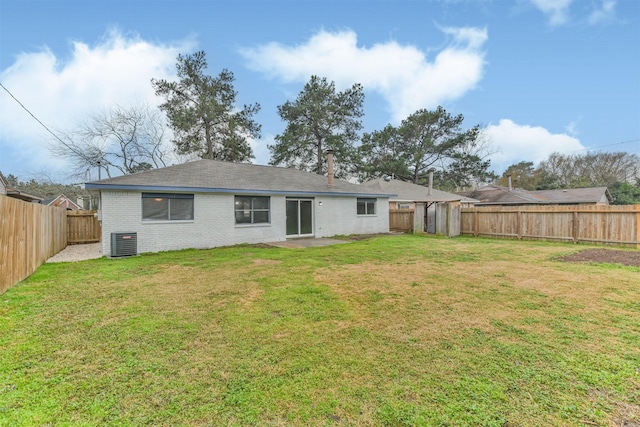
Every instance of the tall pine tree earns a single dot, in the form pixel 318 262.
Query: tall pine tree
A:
pixel 320 119
pixel 202 113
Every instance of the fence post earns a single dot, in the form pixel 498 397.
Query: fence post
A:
pixel 475 223
pixel 611 225
pixel 638 226
pixel 29 234
pixel 419 213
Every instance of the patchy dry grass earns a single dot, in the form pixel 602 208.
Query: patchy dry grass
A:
pixel 395 330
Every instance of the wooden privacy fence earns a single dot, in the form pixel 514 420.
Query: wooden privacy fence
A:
pixel 401 220
pixel 82 227
pixel 440 218
pixel 615 225
pixel 30 233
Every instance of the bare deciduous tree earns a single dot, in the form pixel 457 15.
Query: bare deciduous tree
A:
pixel 590 169
pixel 122 140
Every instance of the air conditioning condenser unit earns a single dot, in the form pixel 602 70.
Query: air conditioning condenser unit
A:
pixel 124 244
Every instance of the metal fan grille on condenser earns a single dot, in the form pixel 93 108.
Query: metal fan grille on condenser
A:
pixel 124 244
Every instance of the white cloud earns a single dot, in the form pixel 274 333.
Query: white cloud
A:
pixel 603 14
pixel 467 37
pixel 556 10
pixel 572 127
pixel 61 93
pixel 260 149
pixel 516 143
pixel 402 74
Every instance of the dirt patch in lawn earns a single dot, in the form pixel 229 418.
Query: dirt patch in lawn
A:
pixel 609 256
pixel 427 300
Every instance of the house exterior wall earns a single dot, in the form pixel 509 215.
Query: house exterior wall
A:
pixel 64 202
pixel 394 204
pixel 214 222
pixel 338 216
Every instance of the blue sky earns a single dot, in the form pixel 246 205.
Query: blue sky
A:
pixel 538 75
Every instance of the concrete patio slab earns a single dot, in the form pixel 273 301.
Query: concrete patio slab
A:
pixel 78 253
pixel 307 243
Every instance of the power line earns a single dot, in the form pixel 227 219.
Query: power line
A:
pixel 180 93
pixel 588 149
pixel 610 145
pixel 32 115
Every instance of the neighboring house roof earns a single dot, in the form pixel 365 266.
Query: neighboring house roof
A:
pixel 409 192
pixel 15 193
pixel 492 194
pixel 62 201
pixel 212 176
pixel 496 195
pixel 18 194
pixel 577 195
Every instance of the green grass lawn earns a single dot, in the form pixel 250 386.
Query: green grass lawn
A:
pixel 389 331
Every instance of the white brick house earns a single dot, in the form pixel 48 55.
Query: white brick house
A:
pixel 208 203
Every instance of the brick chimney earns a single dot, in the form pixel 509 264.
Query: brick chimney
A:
pixel 509 182
pixel 330 168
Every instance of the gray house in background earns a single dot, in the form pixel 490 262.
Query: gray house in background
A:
pixel 207 203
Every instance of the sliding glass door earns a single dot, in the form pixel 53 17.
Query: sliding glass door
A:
pixel 299 217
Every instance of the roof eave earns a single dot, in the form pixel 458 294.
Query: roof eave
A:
pixel 115 187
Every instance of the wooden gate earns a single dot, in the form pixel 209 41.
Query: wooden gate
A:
pixel 83 227
pixel 401 220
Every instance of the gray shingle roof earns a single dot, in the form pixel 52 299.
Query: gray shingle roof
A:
pixel 576 195
pixel 492 194
pixel 495 195
pixel 409 192
pixel 217 176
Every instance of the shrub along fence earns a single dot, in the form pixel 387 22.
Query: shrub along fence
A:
pixel 30 233
pixel 613 225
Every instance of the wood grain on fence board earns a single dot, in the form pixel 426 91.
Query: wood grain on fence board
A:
pixel 30 233
pixel 83 227
pixel 615 225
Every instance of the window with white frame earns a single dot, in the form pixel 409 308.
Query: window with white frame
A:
pixel 366 206
pixel 252 209
pixel 167 207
